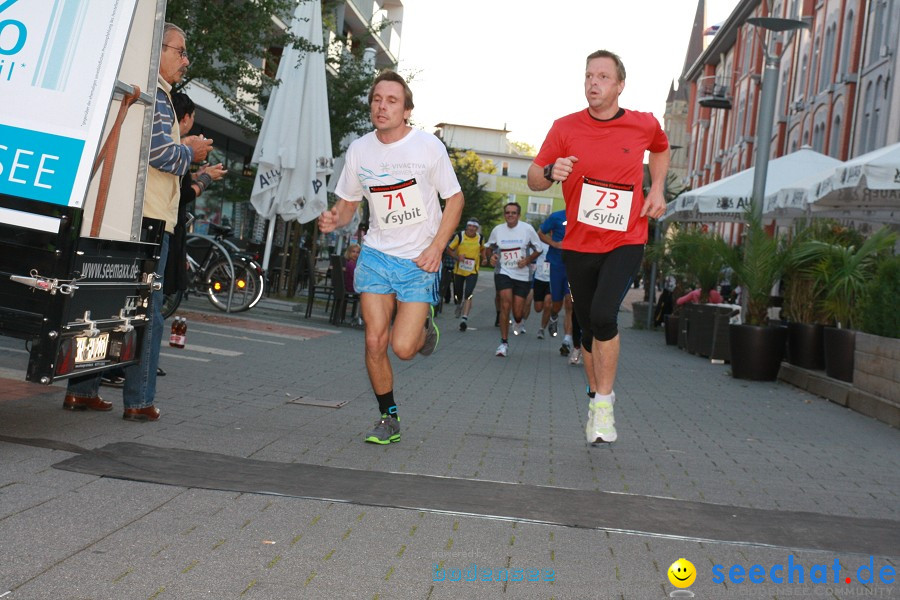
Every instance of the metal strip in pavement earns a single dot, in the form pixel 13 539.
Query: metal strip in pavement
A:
pixel 589 509
pixel 211 350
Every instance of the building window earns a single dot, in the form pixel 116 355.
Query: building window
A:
pixel 505 169
pixel 818 142
pixel 825 77
pixel 804 73
pixel 865 132
pixel 539 206
pixel 834 146
pixel 782 93
pixel 876 139
pixel 817 55
pixel 846 42
pixel 878 33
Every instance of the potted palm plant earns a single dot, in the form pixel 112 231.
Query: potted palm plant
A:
pixel 756 348
pixel 803 295
pixel 843 272
pixel 697 256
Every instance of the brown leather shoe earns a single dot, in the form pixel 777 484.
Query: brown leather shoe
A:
pixel 148 413
pixel 96 403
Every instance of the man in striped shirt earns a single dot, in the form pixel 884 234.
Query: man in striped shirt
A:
pixel 170 158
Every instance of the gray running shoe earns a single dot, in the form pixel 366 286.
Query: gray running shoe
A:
pixel 457 312
pixel 386 431
pixel 540 334
pixel 432 336
pixel 553 326
pixel 564 349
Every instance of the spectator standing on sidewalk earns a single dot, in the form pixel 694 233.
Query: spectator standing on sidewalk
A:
pixel 467 247
pixel 597 154
pixel 513 246
pixel 400 171
pixel 170 158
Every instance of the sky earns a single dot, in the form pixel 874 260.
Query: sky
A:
pixel 519 64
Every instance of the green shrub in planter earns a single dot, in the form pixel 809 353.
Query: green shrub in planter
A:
pixel 697 257
pixel 844 272
pixel 757 263
pixel 878 310
pixel 803 294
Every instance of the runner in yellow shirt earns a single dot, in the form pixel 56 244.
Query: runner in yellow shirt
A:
pixel 466 247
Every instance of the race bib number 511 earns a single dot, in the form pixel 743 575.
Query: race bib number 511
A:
pixel 604 204
pixel 398 204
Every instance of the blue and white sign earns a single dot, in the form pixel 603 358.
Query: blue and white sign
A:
pixel 57 72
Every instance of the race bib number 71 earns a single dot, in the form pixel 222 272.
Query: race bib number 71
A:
pixel 398 204
pixel 604 204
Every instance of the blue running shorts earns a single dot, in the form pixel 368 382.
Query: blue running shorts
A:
pixel 380 273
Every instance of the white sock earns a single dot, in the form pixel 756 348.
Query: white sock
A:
pixel 611 398
pixel 567 340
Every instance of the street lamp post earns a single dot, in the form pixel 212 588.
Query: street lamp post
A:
pixel 766 113
pixel 656 236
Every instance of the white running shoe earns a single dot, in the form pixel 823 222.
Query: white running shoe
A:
pixel 502 349
pixel 601 423
pixel 517 328
pixel 540 333
pixel 522 328
pixel 575 357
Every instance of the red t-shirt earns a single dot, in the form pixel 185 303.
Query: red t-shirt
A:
pixel 611 157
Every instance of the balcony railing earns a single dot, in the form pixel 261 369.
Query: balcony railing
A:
pixel 714 91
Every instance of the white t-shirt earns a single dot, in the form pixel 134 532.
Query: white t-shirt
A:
pixel 512 244
pixel 541 266
pixel 401 181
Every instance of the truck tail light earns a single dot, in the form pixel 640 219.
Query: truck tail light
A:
pixel 65 360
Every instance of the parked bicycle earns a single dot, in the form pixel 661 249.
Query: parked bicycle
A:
pixel 229 277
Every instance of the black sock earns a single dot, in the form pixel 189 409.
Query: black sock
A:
pixel 504 341
pixel 591 395
pixel 386 404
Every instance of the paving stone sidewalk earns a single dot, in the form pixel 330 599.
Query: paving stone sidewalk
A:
pixel 252 386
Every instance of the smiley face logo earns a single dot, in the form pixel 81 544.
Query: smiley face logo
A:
pixel 682 573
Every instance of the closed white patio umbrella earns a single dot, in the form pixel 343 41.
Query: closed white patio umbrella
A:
pixel 293 151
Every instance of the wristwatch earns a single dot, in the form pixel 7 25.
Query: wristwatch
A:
pixel 548 172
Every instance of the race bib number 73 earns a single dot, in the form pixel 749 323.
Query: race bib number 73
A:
pixel 604 204
pixel 398 204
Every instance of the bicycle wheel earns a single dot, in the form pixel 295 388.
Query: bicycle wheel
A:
pixel 170 303
pixel 246 286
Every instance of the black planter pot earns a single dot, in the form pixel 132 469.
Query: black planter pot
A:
pixel 671 330
pixel 806 347
pixel 756 352
pixel 840 345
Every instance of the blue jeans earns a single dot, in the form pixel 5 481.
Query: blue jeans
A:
pixel 140 379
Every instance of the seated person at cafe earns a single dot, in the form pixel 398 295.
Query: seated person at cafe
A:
pixel 693 297
pixel 351 254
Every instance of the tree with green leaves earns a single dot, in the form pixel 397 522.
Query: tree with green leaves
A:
pixel 236 56
pixel 485 206
pixel 239 63
pixel 523 148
